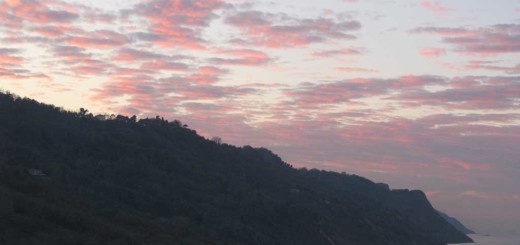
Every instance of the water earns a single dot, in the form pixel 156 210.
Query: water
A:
pixel 494 240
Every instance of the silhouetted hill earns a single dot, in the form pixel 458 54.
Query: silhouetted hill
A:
pixel 69 178
pixel 456 223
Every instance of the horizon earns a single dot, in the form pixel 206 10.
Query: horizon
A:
pixel 419 94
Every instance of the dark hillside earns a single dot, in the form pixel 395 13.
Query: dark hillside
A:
pixel 456 223
pixel 69 178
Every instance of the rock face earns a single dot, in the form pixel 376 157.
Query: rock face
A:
pixel 416 206
pixel 123 181
pixel 456 223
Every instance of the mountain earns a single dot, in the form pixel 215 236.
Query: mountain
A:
pixel 456 223
pixel 72 178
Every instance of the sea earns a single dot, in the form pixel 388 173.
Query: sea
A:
pixel 494 240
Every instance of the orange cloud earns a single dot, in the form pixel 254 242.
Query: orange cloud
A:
pixel 13 3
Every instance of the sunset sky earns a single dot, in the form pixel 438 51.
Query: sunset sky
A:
pixel 417 94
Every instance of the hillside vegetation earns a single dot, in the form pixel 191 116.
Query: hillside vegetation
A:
pixel 69 178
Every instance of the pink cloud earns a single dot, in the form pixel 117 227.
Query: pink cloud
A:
pixel 102 39
pixel 147 94
pixel 337 52
pixel 245 57
pixel 443 31
pixel 434 6
pixel 40 12
pixel 159 65
pixel 19 74
pixel 6 57
pixel 178 22
pixel 89 67
pixel 134 55
pixel 466 94
pixel 492 40
pixel 316 94
pixel 312 95
pixel 470 93
pixel 483 65
pixel 450 163
pixel 172 12
pixel 129 72
pixel 490 196
pixel 432 52
pixel 206 75
pixel 50 16
pixel 277 31
pixel 70 53
pixel 355 70
pixel 88 70
pixel 13 3
pixel 95 15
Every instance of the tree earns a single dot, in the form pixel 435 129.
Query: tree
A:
pixel 217 140
pixel 83 112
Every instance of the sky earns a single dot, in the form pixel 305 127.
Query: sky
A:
pixel 419 94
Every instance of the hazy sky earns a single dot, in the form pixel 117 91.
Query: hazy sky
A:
pixel 418 94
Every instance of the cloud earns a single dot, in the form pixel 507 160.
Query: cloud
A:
pixel 355 70
pixel 490 196
pixel 150 95
pixel 38 12
pixel 492 40
pixel 177 23
pixel 70 53
pixel 179 12
pixel 9 51
pixel 206 75
pixel 244 57
pixel 432 52
pixel 468 93
pixel 278 30
pixel 133 55
pixel 20 74
pixel 55 32
pixel 315 94
pixel 53 16
pixel 465 165
pixel 102 39
pixel 331 93
pixel 89 67
pixel 6 58
pixel 490 65
pixel 13 3
pixel 161 65
pixel 337 52
pixel 434 6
